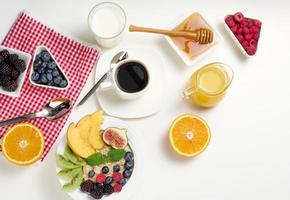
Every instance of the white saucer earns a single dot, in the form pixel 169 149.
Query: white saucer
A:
pixel 135 181
pixel 148 104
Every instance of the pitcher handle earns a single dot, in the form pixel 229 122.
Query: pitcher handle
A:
pixel 188 92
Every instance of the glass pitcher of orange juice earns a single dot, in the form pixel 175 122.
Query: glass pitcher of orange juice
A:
pixel 208 85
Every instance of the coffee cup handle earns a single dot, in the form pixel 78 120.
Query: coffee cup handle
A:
pixel 107 84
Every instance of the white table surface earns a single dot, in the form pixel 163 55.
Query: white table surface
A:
pixel 249 154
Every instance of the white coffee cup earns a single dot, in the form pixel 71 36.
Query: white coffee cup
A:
pixel 112 82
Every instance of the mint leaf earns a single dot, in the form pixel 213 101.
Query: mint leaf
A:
pixel 96 159
pixel 116 154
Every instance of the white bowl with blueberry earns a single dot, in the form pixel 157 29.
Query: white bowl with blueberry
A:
pixel 46 72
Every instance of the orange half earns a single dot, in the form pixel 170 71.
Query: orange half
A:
pixel 23 144
pixel 189 135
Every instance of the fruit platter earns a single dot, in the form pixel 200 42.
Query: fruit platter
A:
pixel 97 158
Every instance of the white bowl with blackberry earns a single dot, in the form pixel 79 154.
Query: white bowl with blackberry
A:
pixel 46 72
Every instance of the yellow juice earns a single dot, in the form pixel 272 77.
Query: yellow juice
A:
pixel 208 85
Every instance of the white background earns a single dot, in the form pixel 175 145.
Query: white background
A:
pixel 249 154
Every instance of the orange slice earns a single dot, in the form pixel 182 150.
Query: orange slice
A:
pixel 189 135
pixel 23 144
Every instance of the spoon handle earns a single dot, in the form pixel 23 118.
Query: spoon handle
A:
pixel 17 119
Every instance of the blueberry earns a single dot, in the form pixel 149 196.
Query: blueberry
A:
pixel 105 169
pixel 35 76
pixel 127 173
pixel 129 156
pixel 55 73
pixel 50 83
pixel 43 78
pixel 52 65
pixel 108 180
pixel 41 70
pixel 48 70
pixel 57 80
pixel 44 65
pixel 49 76
pixel 91 173
pixel 37 62
pixel 100 186
pixel 116 168
pixel 123 181
pixel 129 164
pixel 63 84
pixel 45 56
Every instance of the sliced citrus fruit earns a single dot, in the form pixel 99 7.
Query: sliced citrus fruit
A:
pixel 23 144
pixel 189 135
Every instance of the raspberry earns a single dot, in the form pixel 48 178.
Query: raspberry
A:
pixel 117 176
pixel 240 31
pixel 250 23
pixel 4 79
pixel 257 23
pixel 14 74
pixel 234 28
pixel 253 42
pixel 245 44
pixel 256 36
pixel 108 189
pixel 248 36
pixel 230 21
pixel 4 53
pixel 117 187
pixel 5 69
pixel 238 17
pixel 244 23
pixel 246 30
pixel 240 38
pixel 87 186
pixel 10 86
pixel 100 178
pixel 251 50
pixel 20 65
pixel 254 29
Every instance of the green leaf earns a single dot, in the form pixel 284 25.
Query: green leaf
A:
pixel 116 154
pixel 96 159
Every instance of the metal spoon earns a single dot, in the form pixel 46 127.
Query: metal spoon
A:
pixel 117 58
pixel 54 109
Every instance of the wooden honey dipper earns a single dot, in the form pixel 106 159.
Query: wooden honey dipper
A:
pixel 202 35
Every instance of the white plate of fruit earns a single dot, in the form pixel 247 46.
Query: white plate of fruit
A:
pixel 99 158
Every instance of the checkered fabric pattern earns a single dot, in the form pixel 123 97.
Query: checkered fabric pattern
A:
pixel 76 60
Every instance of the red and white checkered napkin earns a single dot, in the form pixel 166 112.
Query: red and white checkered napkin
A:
pixel 76 60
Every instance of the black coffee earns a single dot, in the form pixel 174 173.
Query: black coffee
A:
pixel 132 77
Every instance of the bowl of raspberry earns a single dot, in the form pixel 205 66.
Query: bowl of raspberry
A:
pixel 244 31
pixel 13 68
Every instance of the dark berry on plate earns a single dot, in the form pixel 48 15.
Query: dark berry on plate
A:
pixel 43 79
pixel 5 53
pixel 117 187
pixel 99 185
pixel 49 76
pixel 13 58
pixel 10 86
pixel 127 173
pixel 116 168
pixel 129 156
pixel 100 178
pixel 1 58
pixel 87 186
pixel 57 80
pixel 14 74
pixel 97 193
pixel 105 169
pixel 63 84
pixel 109 180
pixel 238 17
pixel 4 79
pixel 45 56
pixel 117 176
pixel 91 173
pixel 55 73
pixel 123 181
pixel 5 69
pixel 20 65
pixel 51 65
pixel 129 164
pixel 108 189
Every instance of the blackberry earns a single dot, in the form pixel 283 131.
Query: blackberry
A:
pixel 108 189
pixel 97 193
pixel 87 186
pixel 10 86
pixel 13 58
pixel 4 53
pixel 5 69
pixel 14 74
pixel 1 58
pixel 4 79
pixel 20 65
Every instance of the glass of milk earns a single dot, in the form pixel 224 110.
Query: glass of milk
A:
pixel 107 21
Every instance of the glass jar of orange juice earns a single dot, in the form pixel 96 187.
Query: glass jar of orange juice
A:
pixel 208 85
